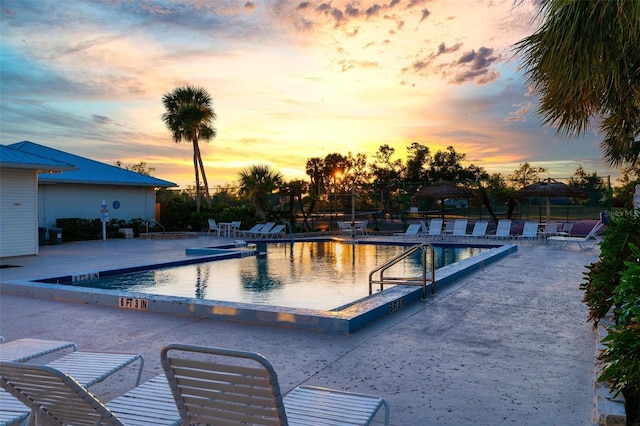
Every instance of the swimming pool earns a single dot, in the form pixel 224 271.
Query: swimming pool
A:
pixel 345 319
pixel 322 275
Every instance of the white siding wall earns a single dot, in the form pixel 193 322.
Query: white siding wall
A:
pixel 83 201
pixel 18 212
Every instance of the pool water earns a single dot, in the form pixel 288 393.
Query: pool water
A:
pixel 308 275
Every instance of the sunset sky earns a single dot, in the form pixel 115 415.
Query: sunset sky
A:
pixel 290 80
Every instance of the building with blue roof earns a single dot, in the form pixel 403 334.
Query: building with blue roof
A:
pixel 53 184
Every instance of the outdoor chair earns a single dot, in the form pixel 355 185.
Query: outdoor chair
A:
pixel 413 230
pixel 277 231
pixel 224 386
pixel 344 227
pixel 566 229
pixel 448 227
pixel 435 229
pixel 459 229
pixel 213 227
pixel 235 227
pixel 503 231
pixel 361 228
pixel 53 396
pixel 22 350
pixel 550 229
pixel 265 228
pixel 529 232
pixel 88 368
pixel 588 241
pixel 479 230
pixel 251 232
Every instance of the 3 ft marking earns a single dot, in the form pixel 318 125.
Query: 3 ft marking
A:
pixel 396 305
pixel 133 303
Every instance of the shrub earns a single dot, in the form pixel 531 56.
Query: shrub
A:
pixel 622 357
pixel 603 276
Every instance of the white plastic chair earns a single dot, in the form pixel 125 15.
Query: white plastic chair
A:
pixel 213 226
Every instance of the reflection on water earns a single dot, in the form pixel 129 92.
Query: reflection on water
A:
pixel 202 280
pixel 316 275
pixel 255 276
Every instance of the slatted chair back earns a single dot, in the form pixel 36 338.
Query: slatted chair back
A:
pixel 460 228
pixel 53 395
pixel 551 228
pixel 504 228
pixel 530 230
pixel 480 229
pixel 435 227
pixel 222 386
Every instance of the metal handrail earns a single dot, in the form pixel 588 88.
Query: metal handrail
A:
pixel 158 223
pixel 412 281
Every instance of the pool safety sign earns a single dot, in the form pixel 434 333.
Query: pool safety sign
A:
pixel 104 212
pixel 104 218
pixel 133 303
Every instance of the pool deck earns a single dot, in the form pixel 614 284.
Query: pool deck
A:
pixel 507 344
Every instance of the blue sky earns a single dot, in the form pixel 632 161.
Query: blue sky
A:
pixel 290 80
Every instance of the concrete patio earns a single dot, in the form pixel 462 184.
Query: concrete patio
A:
pixel 508 344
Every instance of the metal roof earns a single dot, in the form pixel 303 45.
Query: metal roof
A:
pixel 86 171
pixel 14 159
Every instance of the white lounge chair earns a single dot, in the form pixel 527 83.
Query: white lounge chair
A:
pixel 435 229
pixel 250 232
pixel 52 395
pixel 224 386
pixel 479 230
pixel 588 241
pixel 12 411
pixel 459 229
pixel 550 229
pixel 22 350
pixel 412 231
pixel 448 227
pixel 213 227
pixel 277 231
pixel 86 367
pixel 503 231
pixel 529 232
pixel 265 228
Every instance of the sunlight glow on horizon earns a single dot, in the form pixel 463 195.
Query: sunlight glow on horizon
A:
pixel 289 81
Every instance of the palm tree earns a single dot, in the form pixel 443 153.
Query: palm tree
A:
pixel 584 61
pixel 258 182
pixel 190 117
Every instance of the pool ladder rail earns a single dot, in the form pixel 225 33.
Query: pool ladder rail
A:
pixel 422 281
pixel 157 223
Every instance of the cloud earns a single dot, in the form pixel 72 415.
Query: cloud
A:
pixel 421 65
pixel 442 49
pixel 101 119
pixel 520 114
pixel 474 66
pixel 346 65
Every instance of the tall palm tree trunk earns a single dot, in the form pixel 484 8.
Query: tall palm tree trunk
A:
pixel 195 167
pixel 196 148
